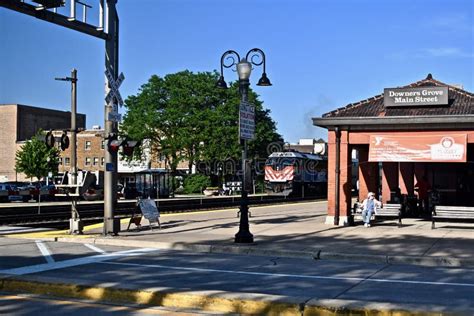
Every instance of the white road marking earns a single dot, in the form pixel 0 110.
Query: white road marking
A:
pixel 76 262
pixel 44 251
pixel 94 248
pixel 290 275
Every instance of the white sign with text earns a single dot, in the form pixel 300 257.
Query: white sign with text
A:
pixel 247 121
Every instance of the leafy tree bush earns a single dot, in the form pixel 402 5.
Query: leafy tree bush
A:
pixel 35 159
pixel 184 117
pixel 195 183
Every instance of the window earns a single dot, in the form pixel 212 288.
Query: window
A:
pixel 96 161
pixel 60 161
pixel 102 161
pixel 88 161
pixel 102 145
pixel 67 161
pixel 87 145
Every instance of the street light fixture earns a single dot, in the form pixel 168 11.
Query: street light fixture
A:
pixel 244 69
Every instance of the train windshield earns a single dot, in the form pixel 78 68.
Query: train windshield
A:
pixel 280 161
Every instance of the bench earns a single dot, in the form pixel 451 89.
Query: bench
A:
pixel 452 213
pixel 389 211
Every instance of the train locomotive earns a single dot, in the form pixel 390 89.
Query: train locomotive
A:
pixel 294 173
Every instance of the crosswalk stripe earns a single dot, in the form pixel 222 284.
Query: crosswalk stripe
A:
pixel 77 262
pixel 44 251
pixel 94 248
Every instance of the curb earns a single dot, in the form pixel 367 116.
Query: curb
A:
pixel 259 251
pixel 215 301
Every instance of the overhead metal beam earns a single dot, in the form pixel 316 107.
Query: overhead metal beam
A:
pixel 26 8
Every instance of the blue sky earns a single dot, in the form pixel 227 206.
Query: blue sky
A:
pixel 321 54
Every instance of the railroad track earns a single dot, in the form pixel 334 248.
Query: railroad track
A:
pixel 50 213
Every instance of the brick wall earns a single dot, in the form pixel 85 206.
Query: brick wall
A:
pixel 8 127
pixel 19 123
pixel 345 175
pixel 31 119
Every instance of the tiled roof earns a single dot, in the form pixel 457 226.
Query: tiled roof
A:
pixel 461 102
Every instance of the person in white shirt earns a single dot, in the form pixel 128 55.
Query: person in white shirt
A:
pixel 369 207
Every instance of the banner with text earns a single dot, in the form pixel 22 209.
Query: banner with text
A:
pixel 247 121
pixel 417 147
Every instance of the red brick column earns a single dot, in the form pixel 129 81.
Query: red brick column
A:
pixel 368 172
pixel 345 185
pixel 389 179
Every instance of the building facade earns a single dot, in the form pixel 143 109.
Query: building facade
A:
pixel 90 151
pixel 420 132
pixel 19 123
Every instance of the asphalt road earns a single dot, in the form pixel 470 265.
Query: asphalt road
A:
pixel 408 287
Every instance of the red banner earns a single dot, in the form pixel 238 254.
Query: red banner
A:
pixel 418 147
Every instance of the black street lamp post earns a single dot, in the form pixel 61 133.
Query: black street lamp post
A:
pixel 244 68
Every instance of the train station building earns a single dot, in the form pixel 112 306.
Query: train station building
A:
pixel 423 131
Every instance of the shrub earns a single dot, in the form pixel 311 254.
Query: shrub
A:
pixel 195 183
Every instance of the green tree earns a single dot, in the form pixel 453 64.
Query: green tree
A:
pixel 186 117
pixel 35 159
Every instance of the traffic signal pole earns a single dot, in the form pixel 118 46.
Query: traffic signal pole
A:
pixel 111 226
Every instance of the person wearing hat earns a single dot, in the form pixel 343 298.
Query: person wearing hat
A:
pixel 369 207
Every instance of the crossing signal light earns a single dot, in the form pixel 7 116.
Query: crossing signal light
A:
pixel 128 147
pixel 64 141
pixel 49 139
pixel 114 144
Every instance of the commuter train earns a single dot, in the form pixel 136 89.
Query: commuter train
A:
pixel 294 173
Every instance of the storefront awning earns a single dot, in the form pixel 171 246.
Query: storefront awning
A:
pixel 415 147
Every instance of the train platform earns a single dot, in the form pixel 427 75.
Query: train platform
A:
pixel 294 232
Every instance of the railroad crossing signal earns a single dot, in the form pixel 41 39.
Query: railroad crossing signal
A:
pixel 114 86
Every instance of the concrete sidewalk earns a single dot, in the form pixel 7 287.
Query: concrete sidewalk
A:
pixel 296 230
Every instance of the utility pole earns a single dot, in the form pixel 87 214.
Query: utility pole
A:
pixel 73 126
pixel 75 223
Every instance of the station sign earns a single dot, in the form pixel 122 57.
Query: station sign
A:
pixel 419 96
pixel 247 121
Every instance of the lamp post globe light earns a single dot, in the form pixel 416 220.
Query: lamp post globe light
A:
pixel 244 69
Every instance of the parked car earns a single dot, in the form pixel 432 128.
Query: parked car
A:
pixel 93 194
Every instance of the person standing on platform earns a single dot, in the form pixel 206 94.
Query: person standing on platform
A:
pixel 369 207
